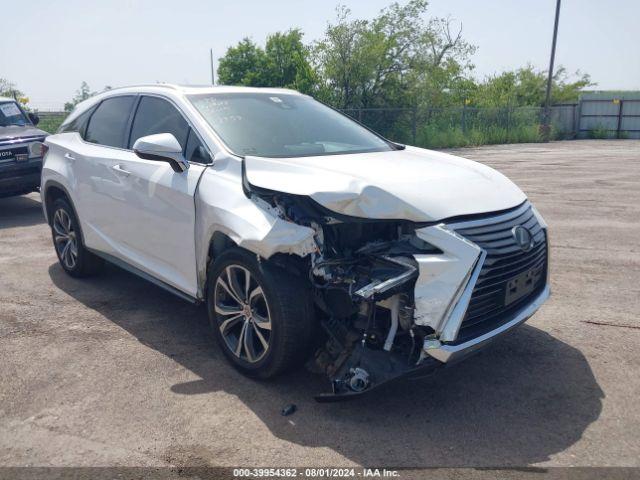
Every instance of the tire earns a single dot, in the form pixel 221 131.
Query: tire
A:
pixel 74 258
pixel 276 297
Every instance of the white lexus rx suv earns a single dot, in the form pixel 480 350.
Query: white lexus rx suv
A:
pixel 309 237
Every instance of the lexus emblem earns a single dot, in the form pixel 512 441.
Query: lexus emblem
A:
pixel 523 237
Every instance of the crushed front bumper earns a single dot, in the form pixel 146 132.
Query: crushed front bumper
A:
pixel 454 289
pixel 444 355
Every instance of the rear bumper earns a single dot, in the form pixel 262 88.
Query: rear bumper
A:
pixel 16 178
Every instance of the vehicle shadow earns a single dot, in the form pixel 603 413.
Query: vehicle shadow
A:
pixel 22 211
pixel 519 402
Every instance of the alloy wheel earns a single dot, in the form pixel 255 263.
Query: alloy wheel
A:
pixel 242 313
pixel 65 239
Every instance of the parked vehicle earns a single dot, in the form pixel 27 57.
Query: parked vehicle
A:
pixel 306 234
pixel 20 149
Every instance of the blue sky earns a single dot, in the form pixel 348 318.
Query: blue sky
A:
pixel 119 42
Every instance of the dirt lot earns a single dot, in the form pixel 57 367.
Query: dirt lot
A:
pixel 114 371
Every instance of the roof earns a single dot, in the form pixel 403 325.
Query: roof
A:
pixel 192 89
pixel 195 89
pixel 6 99
pixel 172 90
pixel 179 90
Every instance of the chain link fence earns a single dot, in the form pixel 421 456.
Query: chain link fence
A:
pixel 460 126
pixel 50 121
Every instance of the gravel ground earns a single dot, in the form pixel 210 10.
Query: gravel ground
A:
pixel 115 371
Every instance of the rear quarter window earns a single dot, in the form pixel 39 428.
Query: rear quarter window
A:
pixel 78 124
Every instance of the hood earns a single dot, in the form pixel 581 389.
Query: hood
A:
pixel 15 132
pixel 412 184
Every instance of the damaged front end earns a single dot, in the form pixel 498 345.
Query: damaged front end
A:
pixel 385 291
pixel 365 290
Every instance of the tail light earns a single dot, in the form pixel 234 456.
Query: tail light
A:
pixel 45 149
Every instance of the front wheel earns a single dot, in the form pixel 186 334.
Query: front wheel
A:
pixel 260 315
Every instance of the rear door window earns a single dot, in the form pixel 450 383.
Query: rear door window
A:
pixel 108 124
pixel 155 115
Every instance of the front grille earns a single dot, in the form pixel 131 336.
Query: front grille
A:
pixel 10 155
pixel 505 261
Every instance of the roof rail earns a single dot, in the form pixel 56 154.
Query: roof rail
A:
pixel 165 85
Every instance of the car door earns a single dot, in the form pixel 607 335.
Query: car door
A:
pixel 156 209
pixel 93 153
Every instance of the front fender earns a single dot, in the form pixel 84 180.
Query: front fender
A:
pixel 222 206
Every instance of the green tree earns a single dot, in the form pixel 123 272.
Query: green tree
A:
pixel 282 63
pixel 9 89
pixel 243 64
pixel 341 59
pixel 287 63
pixel 83 93
pixel 527 87
pixel 401 58
pixel 398 58
pixel 567 88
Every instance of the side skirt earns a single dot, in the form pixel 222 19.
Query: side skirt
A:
pixel 144 275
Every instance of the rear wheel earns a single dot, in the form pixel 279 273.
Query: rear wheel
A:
pixel 74 258
pixel 261 316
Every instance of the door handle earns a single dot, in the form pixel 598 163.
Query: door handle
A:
pixel 69 157
pixel 120 170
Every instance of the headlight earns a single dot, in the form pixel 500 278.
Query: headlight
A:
pixel 36 149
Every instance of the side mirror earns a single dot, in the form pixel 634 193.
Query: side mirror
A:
pixel 35 119
pixel 162 147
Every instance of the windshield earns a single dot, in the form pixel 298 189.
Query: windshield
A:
pixel 10 114
pixel 283 125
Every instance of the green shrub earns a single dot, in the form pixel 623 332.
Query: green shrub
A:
pixel 433 136
pixel 600 132
pixel 50 123
pixel 526 134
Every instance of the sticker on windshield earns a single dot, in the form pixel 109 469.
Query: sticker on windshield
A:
pixel 10 109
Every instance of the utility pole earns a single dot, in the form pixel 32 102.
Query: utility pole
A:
pixel 213 80
pixel 547 103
